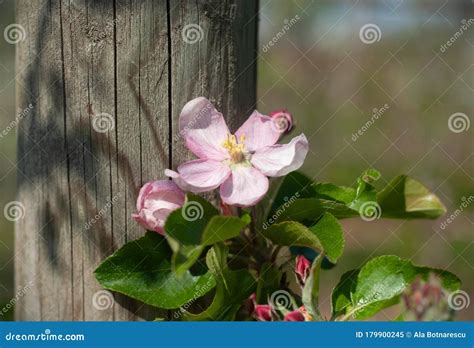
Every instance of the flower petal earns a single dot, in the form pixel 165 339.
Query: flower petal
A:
pixel 177 180
pixel 203 175
pixel 259 131
pixel 143 193
pixel 204 129
pixel 159 192
pixel 156 200
pixel 148 221
pixel 245 187
pixel 279 160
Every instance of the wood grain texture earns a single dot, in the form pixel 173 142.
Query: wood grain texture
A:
pixel 125 62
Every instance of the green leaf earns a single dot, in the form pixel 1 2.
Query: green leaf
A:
pixel 365 191
pixel 216 260
pixel 326 235
pixel 333 192
pixel 196 225
pixel 185 256
pixel 379 284
pixel 296 185
pixel 378 281
pixel 340 201
pixel 229 296
pixel 309 210
pixel 330 235
pixel 186 224
pixel 405 197
pixel 290 233
pixel 141 270
pixel 221 228
pixel 341 294
pixel 233 287
pixel 370 175
pixel 268 282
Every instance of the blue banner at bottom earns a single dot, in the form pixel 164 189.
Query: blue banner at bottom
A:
pixel 237 334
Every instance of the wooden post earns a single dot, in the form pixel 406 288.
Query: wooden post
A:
pixel 107 81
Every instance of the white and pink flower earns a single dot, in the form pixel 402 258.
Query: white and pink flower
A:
pixel 237 163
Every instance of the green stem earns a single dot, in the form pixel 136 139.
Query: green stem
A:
pixel 275 253
pixel 310 296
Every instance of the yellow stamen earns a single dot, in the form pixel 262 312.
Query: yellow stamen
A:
pixel 235 149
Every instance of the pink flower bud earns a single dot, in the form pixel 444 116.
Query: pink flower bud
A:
pixel 296 315
pixel 283 120
pixel 302 268
pixel 249 305
pixel 156 200
pixel 263 312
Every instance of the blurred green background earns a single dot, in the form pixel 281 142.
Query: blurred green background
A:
pixel 7 156
pixel 321 70
pixel 331 81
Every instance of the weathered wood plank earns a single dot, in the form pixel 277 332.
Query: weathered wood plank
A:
pixel 43 242
pixel 107 80
pixel 142 107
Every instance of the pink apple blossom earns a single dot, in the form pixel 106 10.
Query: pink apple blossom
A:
pixel 237 163
pixel 156 200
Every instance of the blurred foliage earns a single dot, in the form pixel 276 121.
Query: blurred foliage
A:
pixel 331 82
pixel 7 157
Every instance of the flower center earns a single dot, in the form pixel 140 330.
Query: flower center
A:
pixel 235 149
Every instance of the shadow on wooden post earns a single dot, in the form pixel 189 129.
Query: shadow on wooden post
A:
pixel 107 80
